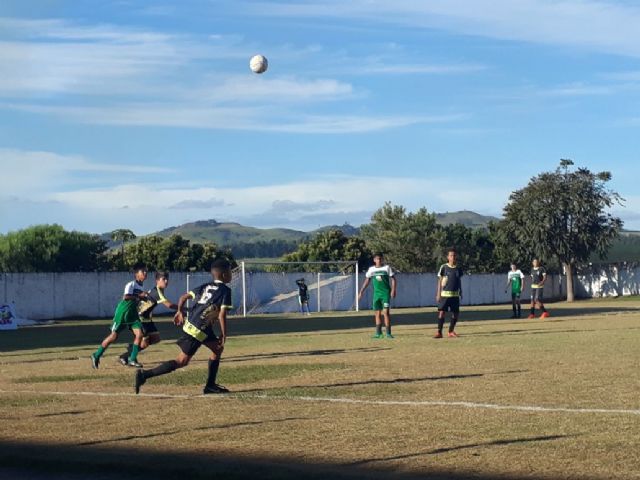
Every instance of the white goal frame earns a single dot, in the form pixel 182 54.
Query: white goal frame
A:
pixel 242 270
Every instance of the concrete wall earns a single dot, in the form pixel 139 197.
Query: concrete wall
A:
pixel 64 295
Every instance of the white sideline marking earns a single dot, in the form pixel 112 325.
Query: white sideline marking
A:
pixel 408 403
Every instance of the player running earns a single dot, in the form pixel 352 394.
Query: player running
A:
pixel 303 296
pixel 538 277
pixel 150 333
pixel 212 301
pixel 515 279
pixel 126 316
pixel 449 293
pixel 384 289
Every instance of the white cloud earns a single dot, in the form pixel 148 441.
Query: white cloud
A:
pixel 595 25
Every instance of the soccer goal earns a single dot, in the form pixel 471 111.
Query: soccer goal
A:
pixel 270 287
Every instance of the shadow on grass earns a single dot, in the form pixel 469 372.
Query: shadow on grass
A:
pixel 438 451
pixel 66 334
pixel 27 460
pixel 308 353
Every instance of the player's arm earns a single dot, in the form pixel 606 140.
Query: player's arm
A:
pixel 166 302
pixel 222 318
pixel 544 277
pixel 130 294
pixel 178 318
pixel 364 287
pixel 439 282
pixel 394 286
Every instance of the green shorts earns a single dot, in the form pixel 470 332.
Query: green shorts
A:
pixel 381 302
pixel 125 317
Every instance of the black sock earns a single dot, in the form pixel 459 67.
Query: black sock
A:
pixel 163 368
pixel 542 308
pixel 519 310
pixel 452 324
pixel 514 308
pixel 440 324
pixel 388 330
pixel 379 329
pixel 533 310
pixel 213 372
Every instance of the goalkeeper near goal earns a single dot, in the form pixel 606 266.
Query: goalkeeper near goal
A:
pixel 384 289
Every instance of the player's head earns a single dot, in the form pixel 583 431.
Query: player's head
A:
pixel 140 271
pixel 535 262
pixel 452 255
pixel 221 270
pixel 514 267
pixel 300 281
pixel 162 278
pixel 378 259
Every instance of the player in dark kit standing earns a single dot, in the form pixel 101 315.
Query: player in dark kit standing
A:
pixel 538 277
pixel 155 296
pixel 449 293
pixel 212 301
pixel 303 296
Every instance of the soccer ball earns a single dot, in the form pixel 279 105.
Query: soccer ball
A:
pixel 258 64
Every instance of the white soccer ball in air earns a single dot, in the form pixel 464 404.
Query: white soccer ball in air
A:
pixel 258 64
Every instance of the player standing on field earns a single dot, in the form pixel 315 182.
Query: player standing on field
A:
pixel 150 333
pixel 212 301
pixel 126 316
pixel 449 293
pixel 538 277
pixel 384 289
pixel 303 296
pixel 515 279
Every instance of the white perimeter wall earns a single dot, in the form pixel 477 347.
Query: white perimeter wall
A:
pixel 87 295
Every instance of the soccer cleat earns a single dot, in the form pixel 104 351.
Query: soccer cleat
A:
pixel 134 363
pixel 531 315
pixel 123 359
pixel 377 335
pixel 95 361
pixel 139 380
pixel 437 335
pixel 452 335
pixel 388 335
pixel 544 315
pixel 214 389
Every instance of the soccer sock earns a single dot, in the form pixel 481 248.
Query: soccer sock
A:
pixel 388 330
pixel 163 368
pixel 213 372
pixel 514 308
pixel 519 310
pixel 440 324
pixel 533 310
pixel 133 356
pixel 542 308
pixel 379 329
pixel 452 323
pixel 98 353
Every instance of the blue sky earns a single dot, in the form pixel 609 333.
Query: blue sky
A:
pixel 143 115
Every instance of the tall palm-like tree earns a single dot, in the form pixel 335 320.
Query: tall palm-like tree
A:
pixel 122 235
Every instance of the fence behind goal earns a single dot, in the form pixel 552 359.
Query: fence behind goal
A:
pixel 256 290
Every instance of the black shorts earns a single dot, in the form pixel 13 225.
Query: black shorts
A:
pixel 536 294
pixel 449 304
pixel 190 345
pixel 148 328
pixel 515 296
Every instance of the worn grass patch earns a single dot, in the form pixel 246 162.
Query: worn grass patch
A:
pixel 56 379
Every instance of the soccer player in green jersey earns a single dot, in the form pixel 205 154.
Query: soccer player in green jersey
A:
pixel 449 293
pixel 126 316
pixel 384 289
pixel 150 333
pixel 538 277
pixel 514 280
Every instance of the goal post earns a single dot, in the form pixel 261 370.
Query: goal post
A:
pixel 260 286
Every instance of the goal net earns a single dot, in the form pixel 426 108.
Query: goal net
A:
pixel 271 287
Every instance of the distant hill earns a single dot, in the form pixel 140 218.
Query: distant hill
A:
pixel 465 217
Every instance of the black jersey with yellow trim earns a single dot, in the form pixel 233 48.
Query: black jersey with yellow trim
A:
pixel 538 275
pixel 146 307
pixel 209 298
pixel 450 278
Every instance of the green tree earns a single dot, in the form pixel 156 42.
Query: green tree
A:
pixel 123 236
pixel 409 241
pixel 50 248
pixel 562 215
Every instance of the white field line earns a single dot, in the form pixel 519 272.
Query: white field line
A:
pixel 406 403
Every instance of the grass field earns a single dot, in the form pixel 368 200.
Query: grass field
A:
pixel 318 397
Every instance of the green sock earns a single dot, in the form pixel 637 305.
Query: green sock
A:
pixel 98 353
pixel 134 353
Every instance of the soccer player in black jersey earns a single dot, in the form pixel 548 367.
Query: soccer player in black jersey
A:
pixel 538 277
pixel 155 296
pixel 449 293
pixel 303 296
pixel 211 302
